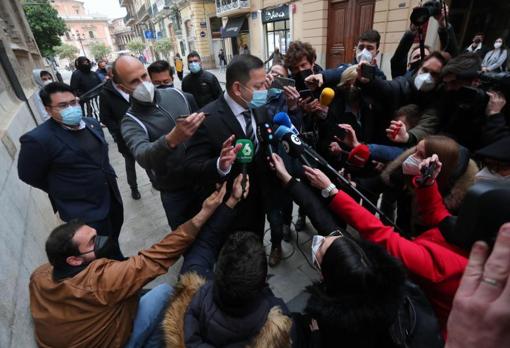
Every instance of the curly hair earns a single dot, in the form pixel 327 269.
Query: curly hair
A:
pixel 296 51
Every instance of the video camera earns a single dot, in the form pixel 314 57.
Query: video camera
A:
pixel 421 14
pixel 489 81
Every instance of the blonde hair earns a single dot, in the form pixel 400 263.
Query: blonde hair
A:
pixel 348 75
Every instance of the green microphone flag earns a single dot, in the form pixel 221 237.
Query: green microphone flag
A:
pixel 245 156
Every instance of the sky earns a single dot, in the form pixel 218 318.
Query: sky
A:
pixel 106 8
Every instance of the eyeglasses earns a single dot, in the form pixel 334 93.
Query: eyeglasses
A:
pixel 66 105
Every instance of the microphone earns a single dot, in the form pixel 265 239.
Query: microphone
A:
pixel 327 96
pixel 359 156
pixel 292 145
pixel 244 157
pixel 266 137
pixel 283 119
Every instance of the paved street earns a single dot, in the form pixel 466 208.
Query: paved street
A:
pixel 145 223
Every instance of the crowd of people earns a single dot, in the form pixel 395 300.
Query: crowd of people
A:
pixel 405 181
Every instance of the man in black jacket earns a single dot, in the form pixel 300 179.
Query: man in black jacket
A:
pixel 203 85
pixel 113 104
pixel 83 79
pixel 156 128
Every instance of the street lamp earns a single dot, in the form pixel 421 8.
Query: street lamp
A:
pixel 78 37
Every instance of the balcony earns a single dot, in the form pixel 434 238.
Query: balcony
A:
pixel 232 7
pixel 129 19
pixel 142 13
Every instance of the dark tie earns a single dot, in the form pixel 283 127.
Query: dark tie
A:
pixel 250 134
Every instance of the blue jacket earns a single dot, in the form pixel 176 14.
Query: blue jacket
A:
pixel 50 159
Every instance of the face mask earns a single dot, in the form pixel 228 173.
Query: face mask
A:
pixel 71 116
pixel 47 82
pixel 275 91
pixel 144 92
pixel 84 67
pixel 363 56
pixel 259 98
pixel 165 86
pixel 486 175
pixel 414 65
pixel 424 82
pixel 102 247
pixel 411 165
pixel 316 245
pixel 497 45
pixel 195 67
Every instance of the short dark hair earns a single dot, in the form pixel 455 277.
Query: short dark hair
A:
pixel 193 54
pixel 45 73
pixel 239 69
pixel 115 74
pixel 296 51
pixel 411 112
pixel 60 244
pixel 465 66
pixel 160 66
pixel 80 60
pixel 438 55
pixel 371 36
pixel 52 88
pixel 241 271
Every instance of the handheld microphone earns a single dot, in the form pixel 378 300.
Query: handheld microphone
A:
pixel 266 137
pixel 291 143
pixel 245 156
pixel 283 119
pixel 359 156
pixel 327 96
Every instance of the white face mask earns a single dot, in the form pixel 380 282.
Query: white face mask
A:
pixel 316 245
pixel 47 82
pixel 498 44
pixel 424 82
pixel 364 56
pixel 144 92
pixel 411 165
pixel 486 175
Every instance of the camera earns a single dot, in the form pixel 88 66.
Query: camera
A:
pixel 421 14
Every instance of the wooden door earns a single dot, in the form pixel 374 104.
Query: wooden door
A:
pixel 347 19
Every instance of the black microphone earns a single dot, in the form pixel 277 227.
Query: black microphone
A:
pixel 292 145
pixel 264 131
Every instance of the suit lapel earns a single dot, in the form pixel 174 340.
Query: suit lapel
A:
pixel 230 120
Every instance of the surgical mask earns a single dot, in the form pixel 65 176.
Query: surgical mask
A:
pixel 424 82
pixel 165 86
pixel 195 67
pixel 47 82
pixel 486 175
pixel 411 165
pixel 317 241
pixel 275 91
pixel 364 56
pixel 72 115
pixel 144 92
pixel 258 99
pixel 498 44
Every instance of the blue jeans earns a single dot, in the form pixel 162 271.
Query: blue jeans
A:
pixel 384 153
pixel 147 331
pixel 180 206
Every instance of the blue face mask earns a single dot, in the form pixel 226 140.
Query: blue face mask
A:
pixel 275 91
pixel 72 115
pixel 195 67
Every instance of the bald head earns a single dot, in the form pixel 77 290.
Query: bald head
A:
pixel 128 72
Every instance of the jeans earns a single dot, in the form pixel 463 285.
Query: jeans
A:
pixel 130 170
pixel 279 213
pixel 180 206
pixel 384 153
pixel 147 331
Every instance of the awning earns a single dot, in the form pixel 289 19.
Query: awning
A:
pixel 233 27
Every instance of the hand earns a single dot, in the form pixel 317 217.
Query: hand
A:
pixel 397 132
pixel 228 153
pixel 320 110
pixel 496 103
pixel 209 206
pixel 440 18
pixel 307 104
pixel 292 96
pixel 317 178
pixel 313 325
pixel 484 69
pixel 314 81
pixel 481 308
pixel 269 80
pixel 427 162
pixel 335 149
pixel 237 191
pixel 184 129
pixel 361 79
pixel 350 138
pixel 278 166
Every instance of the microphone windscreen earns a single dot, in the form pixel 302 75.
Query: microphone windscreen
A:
pixel 282 119
pixel 281 131
pixel 359 156
pixel 245 155
pixel 327 96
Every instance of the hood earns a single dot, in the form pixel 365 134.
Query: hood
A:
pixel 36 74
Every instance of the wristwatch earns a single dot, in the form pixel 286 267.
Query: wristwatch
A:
pixel 327 191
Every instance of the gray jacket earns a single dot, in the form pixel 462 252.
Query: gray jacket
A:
pixel 144 128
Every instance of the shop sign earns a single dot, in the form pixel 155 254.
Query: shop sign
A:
pixel 280 13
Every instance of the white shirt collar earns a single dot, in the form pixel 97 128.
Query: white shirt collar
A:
pixel 234 106
pixel 82 125
pixel 121 92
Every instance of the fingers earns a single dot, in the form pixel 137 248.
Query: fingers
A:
pixel 227 143
pixel 222 191
pixel 247 187
pixel 497 267
pixel 237 148
pixel 474 270
pixel 276 158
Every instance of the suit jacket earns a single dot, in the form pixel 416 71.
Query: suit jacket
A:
pixel 202 154
pixel 112 108
pixel 78 187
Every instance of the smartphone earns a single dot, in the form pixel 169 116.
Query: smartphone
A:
pixel 305 93
pixel 368 71
pixel 340 133
pixel 185 116
pixel 280 82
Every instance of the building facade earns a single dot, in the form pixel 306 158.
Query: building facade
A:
pixel 121 35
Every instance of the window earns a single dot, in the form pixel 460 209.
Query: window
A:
pixel 91 34
pixel 277 35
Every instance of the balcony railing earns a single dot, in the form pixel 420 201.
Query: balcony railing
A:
pixel 142 12
pixel 224 7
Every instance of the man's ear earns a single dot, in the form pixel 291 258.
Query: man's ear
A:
pixel 74 260
pixel 236 88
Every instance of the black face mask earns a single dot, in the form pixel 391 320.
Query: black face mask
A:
pixel 300 79
pixel 165 86
pixel 84 67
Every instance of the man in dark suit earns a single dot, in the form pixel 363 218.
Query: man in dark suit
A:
pixel 67 157
pixel 210 154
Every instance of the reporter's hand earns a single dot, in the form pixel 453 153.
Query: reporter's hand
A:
pixel 307 104
pixel 314 81
pixel 427 162
pixel 361 79
pixel 277 165
pixel 397 132
pixel 496 103
pixel 209 206
pixel 292 96
pixel 184 129
pixel 317 178
pixel 480 315
pixel 350 138
pixel 269 80
pixel 237 191
pixel 228 153
pixel 335 149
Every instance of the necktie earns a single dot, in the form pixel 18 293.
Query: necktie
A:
pixel 250 134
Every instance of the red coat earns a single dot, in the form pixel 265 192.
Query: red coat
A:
pixel 433 263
